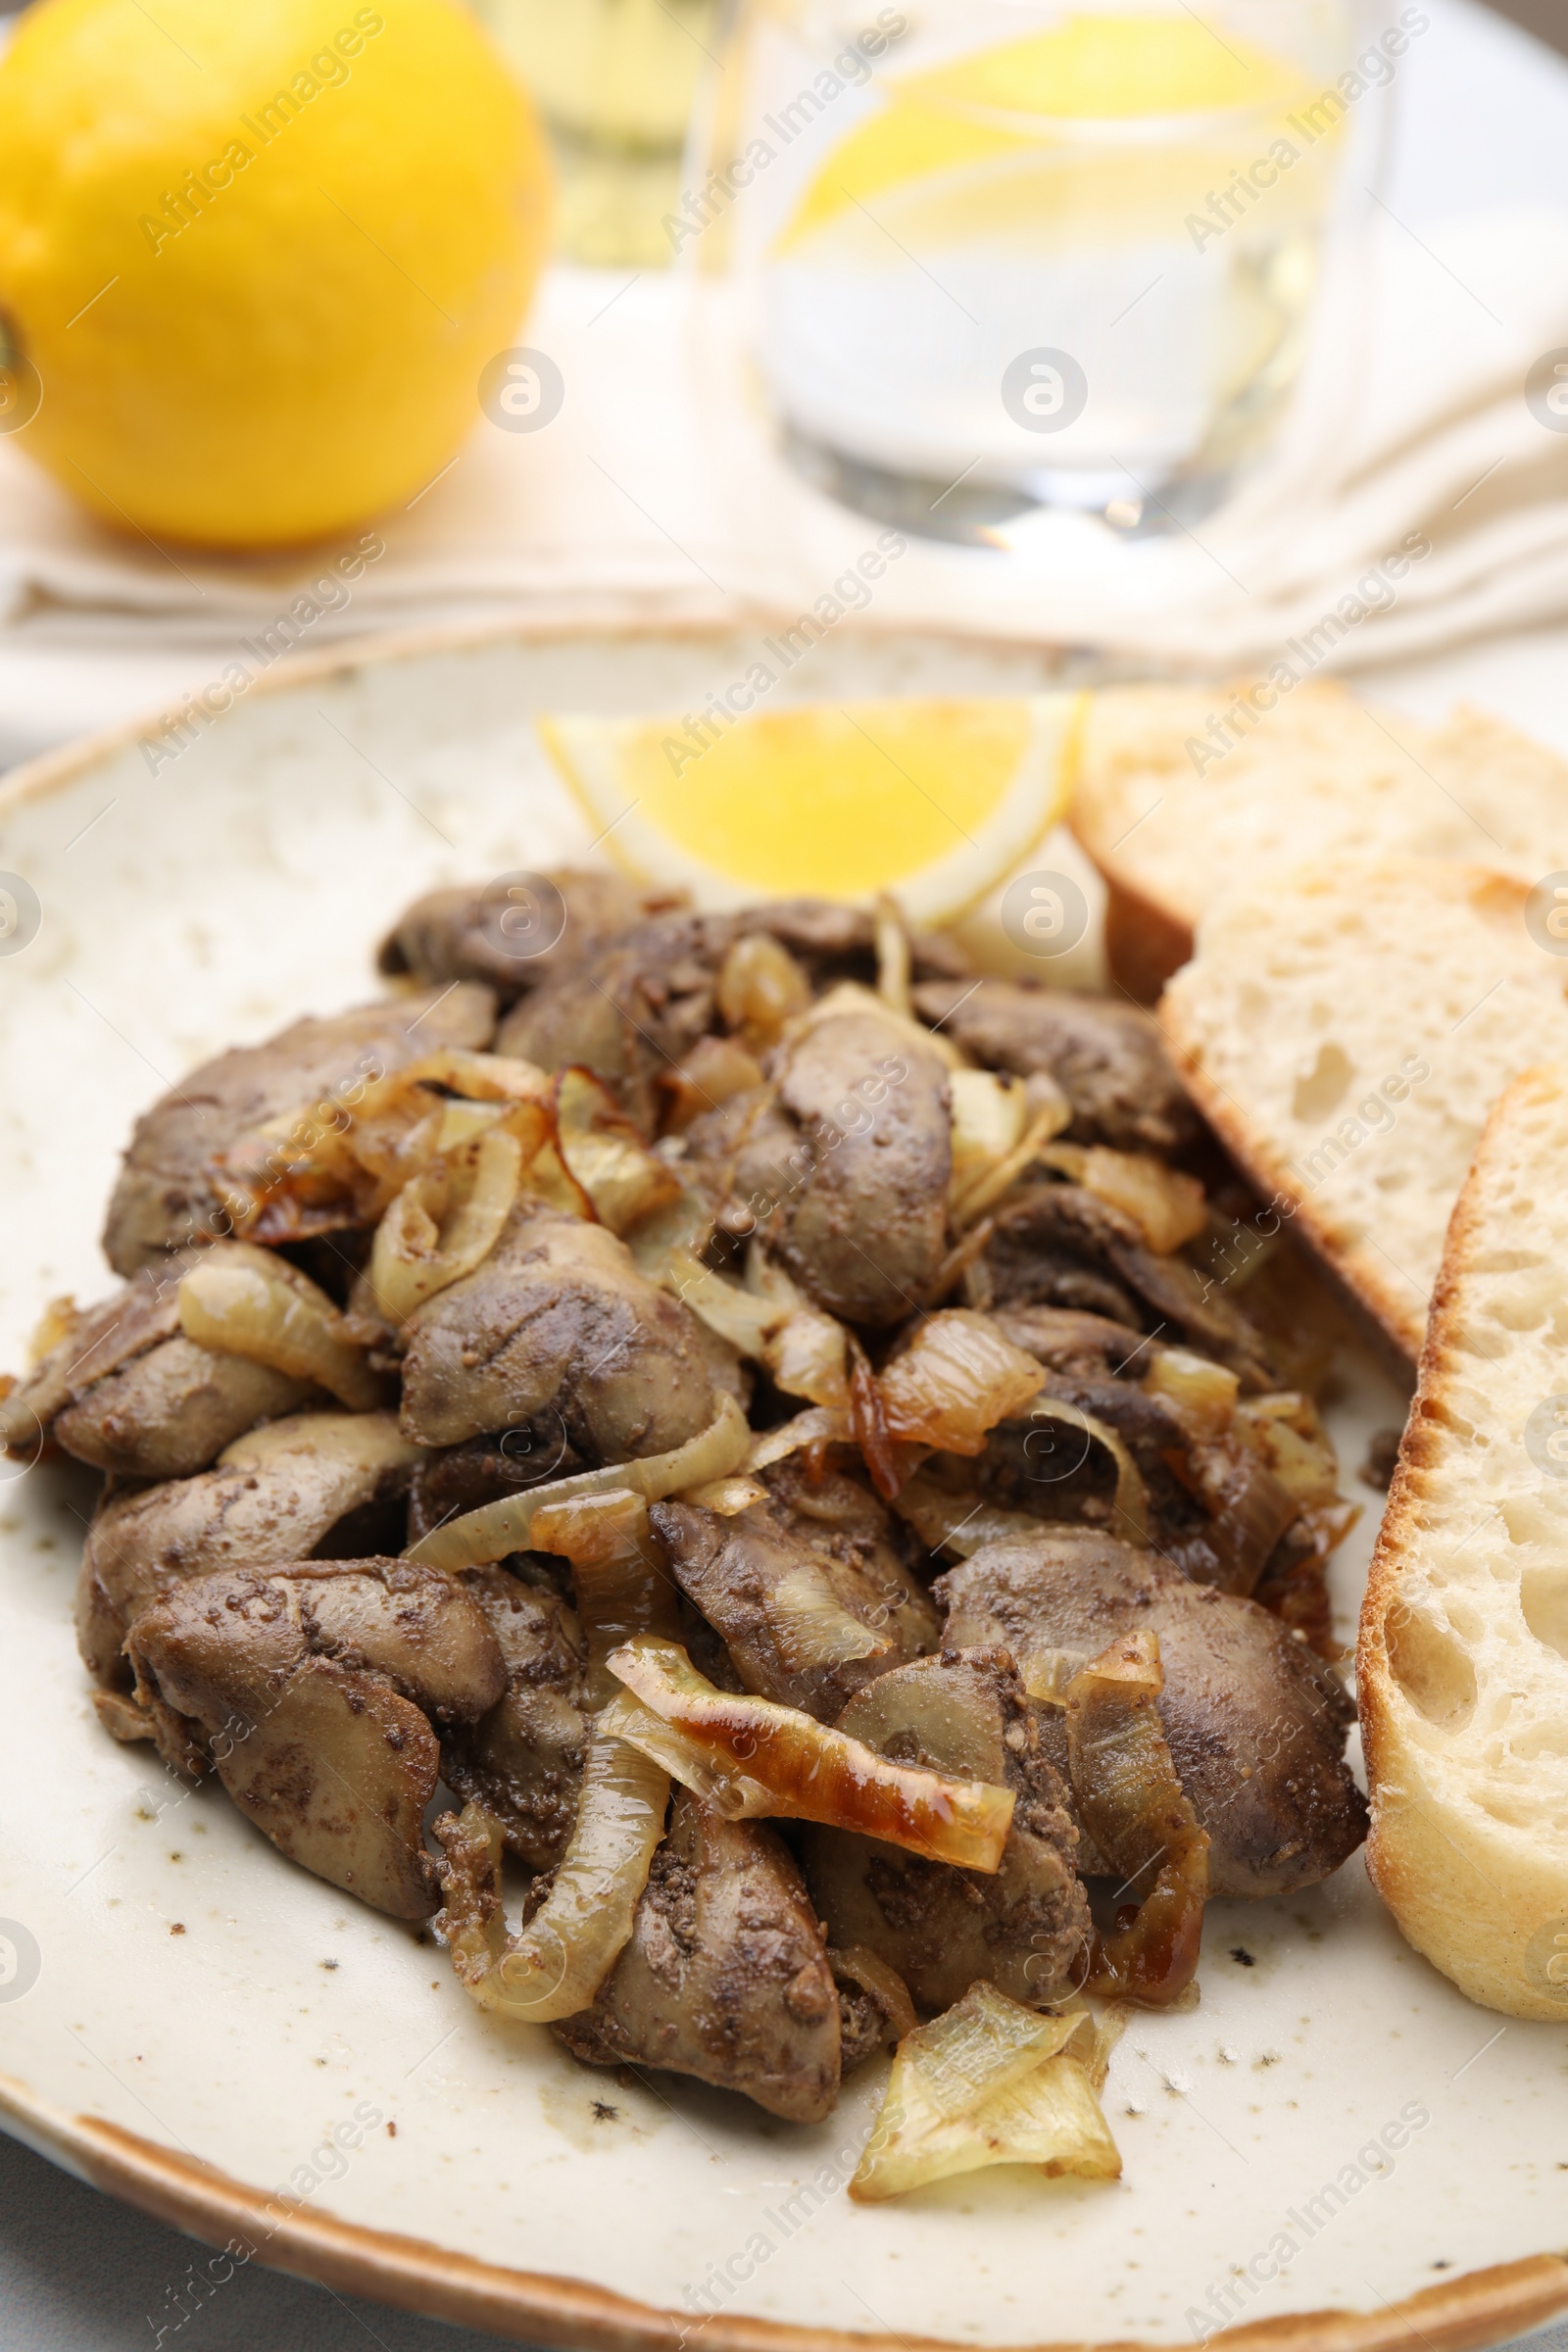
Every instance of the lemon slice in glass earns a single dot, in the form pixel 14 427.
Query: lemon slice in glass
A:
pixel 931 801
pixel 1016 99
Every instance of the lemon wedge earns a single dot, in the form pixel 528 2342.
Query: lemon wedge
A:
pixel 931 801
pixel 1108 69
pixel 908 141
pixel 1008 100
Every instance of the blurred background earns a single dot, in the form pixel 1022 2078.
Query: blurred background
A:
pixel 1540 16
pixel 1032 286
pixel 1029 284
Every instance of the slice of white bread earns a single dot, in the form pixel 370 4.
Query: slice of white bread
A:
pixel 1463 1657
pixel 1171 819
pixel 1347 1030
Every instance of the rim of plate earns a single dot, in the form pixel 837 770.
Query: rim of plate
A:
pixel 46 772
pixel 1478 2309
pixel 1465 2314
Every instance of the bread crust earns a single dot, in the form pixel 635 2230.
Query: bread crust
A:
pixel 1478 1898
pixel 1145 943
pixel 1146 938
pixel 1372 1281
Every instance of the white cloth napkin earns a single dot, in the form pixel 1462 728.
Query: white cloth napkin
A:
pixel 657 493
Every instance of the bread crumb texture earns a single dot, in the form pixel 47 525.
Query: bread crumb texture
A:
pixel 1179 792
pixel 1347 1029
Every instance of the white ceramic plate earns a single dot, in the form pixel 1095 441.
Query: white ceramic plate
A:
pixel 188 2020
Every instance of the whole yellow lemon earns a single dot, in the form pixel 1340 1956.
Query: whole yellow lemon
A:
pixel 254 254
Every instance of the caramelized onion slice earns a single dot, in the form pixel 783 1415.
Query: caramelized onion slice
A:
pixel 1327 1524
pixel 761 988
pixel 988 2082
pixel 503 1078
pixel 1133 1805
pixel 893 957
pixel 962 1264
pixel 23 1430
pixel 811 1627
pixel 715 1071
pixel 59 1319
pixel 889 1462
pixel 746 1322
pixel 822 1426
pixel 768 1320
pixel 848 996
pixel 349 1157
pixel 462 1122
pixel 806 1354
pixel 988 1184
pixel 1199 1393
pixel 728 1497
pixel 241 1301
pixel 702 1770
pixel 446 1221
pixel 1286 1431
pixel 1167 1207
pixel 956 1379
pixel 605 1153
pixel 1131 1500
pixel 551 1180
pixel 685 1222
pixel 623 1583
pixel 1049 1674
pixel 779 1761
pixel 557 1964
pixel 1109 2027
pixel 989 1116
pixel 497 1528
pixel 989 1111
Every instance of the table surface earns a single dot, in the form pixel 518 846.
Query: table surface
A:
pixel 1486 122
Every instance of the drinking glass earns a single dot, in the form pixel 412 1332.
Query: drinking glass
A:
pixel 988 255
pixel 613 80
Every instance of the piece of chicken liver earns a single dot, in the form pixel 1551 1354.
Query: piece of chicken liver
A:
pixel 866 1232
pixel 841 1165
pixel 1024 1926
pixel 165 1195
pixel 313 1692
pixel 726 1977
pixel 125 1390
pixel 517 931
pixel 1109 1059
pixel 312 1485
pixel 558 1316
pixel 629 1011
pixel 631 1008
pixel 754 1575
pixel 1062 1246
pixel 1257 1724
pixel 522 1759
